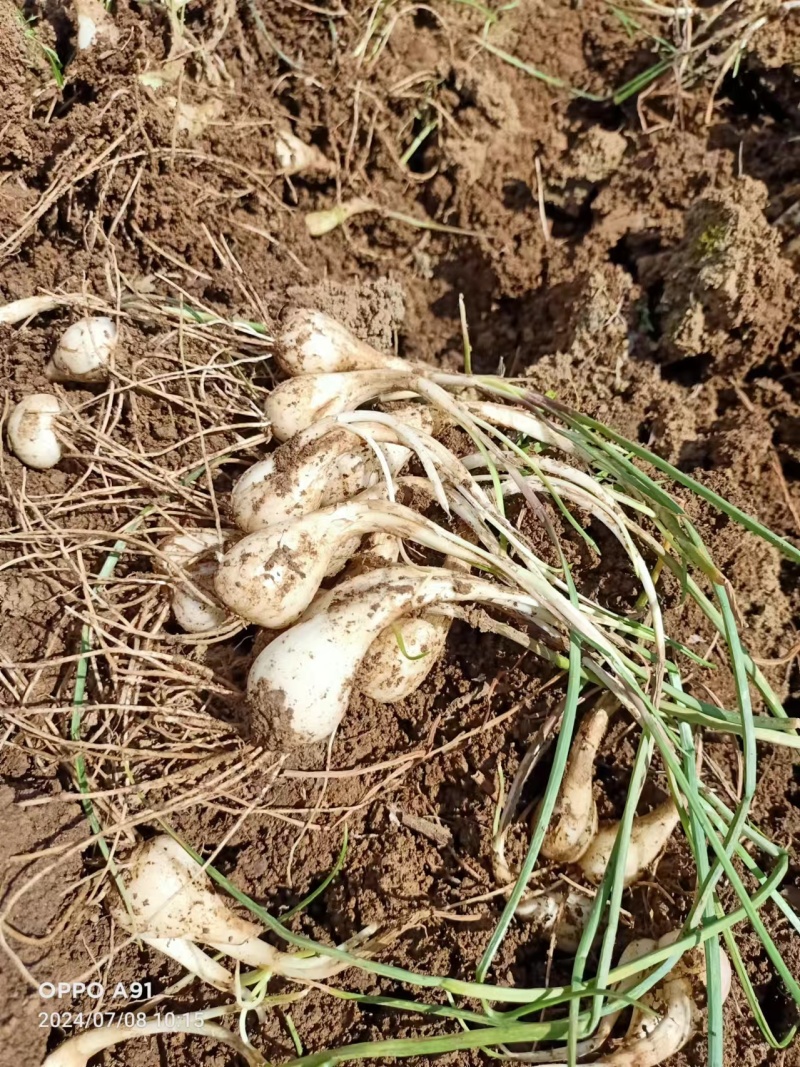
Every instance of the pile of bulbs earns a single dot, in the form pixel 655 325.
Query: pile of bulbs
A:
pixel 574 836
pixel 324 508
pixel 171 906
pixel 325 505
pixel 319 561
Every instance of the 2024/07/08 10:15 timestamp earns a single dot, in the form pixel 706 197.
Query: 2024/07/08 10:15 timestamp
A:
pixel 83 1020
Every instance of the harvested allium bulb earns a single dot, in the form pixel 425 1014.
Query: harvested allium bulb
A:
pixel 172 898
pixel 189 551
pixel 311 342
pixel 271 576
pixel 558 913
pixel 170 895
pixel 674 1016
pixel 299 687
pixel 573 836
pixel 83 1046
pixel 303 475
pixel 648 838
pixel 296 157
pixel 573 823
pixel 31 432
pixel 400 659
pixel 84 352
pixel 295 405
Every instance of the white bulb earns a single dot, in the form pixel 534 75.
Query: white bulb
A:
pixel 193 614
pixel 171 896
pixel 30 431
pixel 311 342
pixel 389 672
pixel 301 477
pixel 296 404
pixel 560 912
pixel 87 32
pixel 84 352
pixel 271 576
pixel 299 686
pixel 171 900
pixel 181 548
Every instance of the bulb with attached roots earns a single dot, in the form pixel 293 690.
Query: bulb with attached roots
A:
pixel 189 552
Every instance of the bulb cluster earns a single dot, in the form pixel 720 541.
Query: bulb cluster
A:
pixel 318 507
pixel 324 507
pixel 376 458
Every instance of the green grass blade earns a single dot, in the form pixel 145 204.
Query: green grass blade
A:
pixel 697 841
pixel 641 81
pixel 534 72
pixel 748 741
pixel 561 753
pixel 320 889
pixel 440 1011
pixel 389 1048
pixel 752 998
pixel 613 881
pixel 720 503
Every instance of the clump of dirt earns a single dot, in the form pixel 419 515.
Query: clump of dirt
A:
pixel 712 304
pixel 373 310
pixel 20 60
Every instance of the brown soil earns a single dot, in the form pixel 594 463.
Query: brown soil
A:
pixel 659 300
